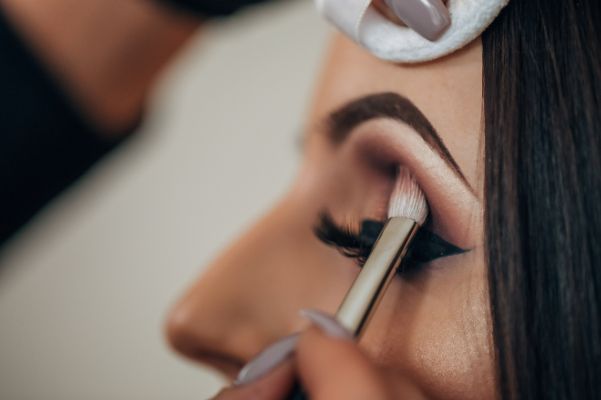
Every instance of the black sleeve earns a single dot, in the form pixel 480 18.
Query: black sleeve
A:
pixel 211 8
pixel 45 143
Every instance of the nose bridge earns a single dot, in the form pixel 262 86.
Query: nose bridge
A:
pixel 250 295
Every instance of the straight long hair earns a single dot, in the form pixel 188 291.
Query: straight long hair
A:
pixel 542 91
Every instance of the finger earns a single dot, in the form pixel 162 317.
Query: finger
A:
pixel 429 18
pixel 331 366
pixel 273 386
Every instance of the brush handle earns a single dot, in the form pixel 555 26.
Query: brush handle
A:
pixel 368 288
pixel 297 392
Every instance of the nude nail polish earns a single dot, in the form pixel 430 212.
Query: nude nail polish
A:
pixel 267 360
pixel 326 323
pixel 429 18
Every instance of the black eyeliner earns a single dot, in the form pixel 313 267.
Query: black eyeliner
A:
pixel 426 247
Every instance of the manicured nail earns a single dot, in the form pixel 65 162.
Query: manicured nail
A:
pixel 326 323
pixel 429 18
pixel 267 360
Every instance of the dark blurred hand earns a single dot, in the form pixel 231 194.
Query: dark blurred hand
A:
pixel 105 54
pixel 213 8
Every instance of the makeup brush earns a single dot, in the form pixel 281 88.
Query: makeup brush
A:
pixel 407 211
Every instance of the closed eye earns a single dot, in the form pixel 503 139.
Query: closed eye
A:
pixel 425 247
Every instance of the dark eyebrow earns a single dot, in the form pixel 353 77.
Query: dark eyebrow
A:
pixel 342 121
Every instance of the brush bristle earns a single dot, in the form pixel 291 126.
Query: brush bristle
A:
pixel 407 199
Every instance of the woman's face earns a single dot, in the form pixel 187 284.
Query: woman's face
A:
pixel 432 328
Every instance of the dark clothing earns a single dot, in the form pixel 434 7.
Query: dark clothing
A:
pixel 212 8
pixel 45 143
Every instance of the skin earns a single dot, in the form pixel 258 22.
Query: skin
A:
pixel 431 336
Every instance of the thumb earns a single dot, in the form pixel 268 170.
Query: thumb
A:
pixel 332 366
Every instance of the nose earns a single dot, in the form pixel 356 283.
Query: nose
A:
pixel 251 294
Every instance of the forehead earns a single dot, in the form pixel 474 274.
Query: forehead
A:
pixel 448 91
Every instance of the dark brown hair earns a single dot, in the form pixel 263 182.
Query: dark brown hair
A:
pixel 542 92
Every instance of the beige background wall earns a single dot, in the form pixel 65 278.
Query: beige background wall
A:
pixel 83 292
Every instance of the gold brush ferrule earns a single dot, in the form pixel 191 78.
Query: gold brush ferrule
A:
pixel 368 288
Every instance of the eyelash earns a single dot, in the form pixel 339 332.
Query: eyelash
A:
pixel 350 243
pixel 426 246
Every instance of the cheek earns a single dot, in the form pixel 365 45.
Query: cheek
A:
pixel 251 294
pixel 434 330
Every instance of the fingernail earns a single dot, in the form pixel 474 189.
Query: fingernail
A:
pixel 267 360
pixel 429 18
pixel 326 323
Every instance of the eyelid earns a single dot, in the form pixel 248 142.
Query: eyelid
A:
pixel 456 211
pixel 342 122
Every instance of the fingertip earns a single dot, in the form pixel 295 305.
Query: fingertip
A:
pixel 328 324
pixel 331 367
pixel 429 18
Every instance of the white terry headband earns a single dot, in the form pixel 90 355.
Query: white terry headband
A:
pixel 389 41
